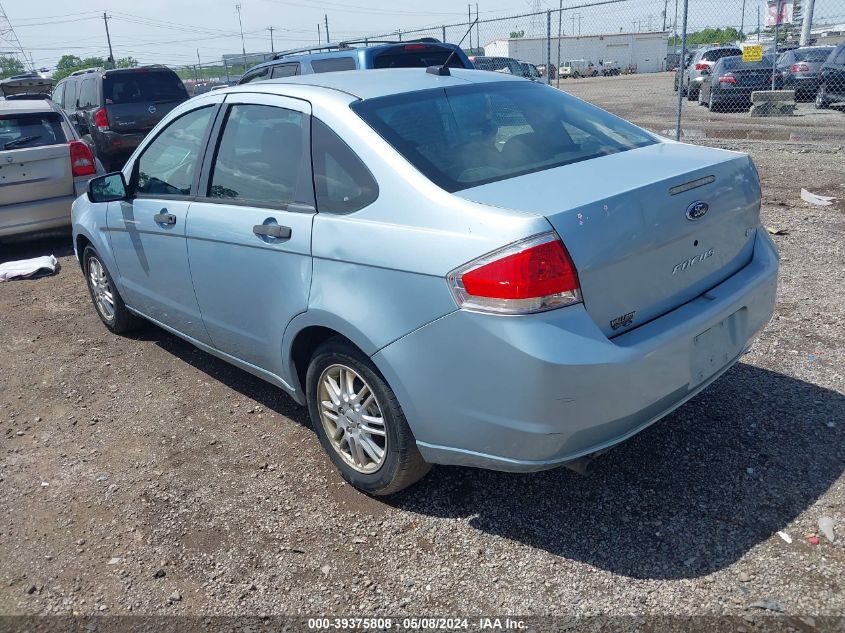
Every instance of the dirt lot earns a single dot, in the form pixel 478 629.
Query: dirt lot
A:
pixel 139 474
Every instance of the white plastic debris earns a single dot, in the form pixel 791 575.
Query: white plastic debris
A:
pixel 785 536
pixel 826 528
pixel 819 201
pixel 24 268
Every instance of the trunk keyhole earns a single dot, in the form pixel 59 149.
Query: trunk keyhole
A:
pixel 695 243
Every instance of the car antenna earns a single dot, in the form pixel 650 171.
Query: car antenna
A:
pixel 443 69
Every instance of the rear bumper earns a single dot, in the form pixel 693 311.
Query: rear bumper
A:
pixel 530 393
pixel 801 84
pixel 39 215
pixel 114 144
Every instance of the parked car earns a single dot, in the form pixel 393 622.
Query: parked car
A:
pixel 541 68
pixel 698 66
pixel 832 79
pixel 391 248
pixel 575 68
pixel 529 71
pixel 506 65
pixel 799 69
pixel 609 69
pixel 361 55
pixel 44 166
pixel 731 81
pixel 115 109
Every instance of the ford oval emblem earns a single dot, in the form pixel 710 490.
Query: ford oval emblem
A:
pixel 697 210
pixel 151 109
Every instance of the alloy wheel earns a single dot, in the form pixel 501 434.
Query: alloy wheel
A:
pixel 101 288
pixel 352 418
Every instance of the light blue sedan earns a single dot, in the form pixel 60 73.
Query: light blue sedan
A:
pixel 462 268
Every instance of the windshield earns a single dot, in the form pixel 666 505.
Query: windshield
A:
pixel 30 130
pixel 466 136
pixel 812 54
pixel 143 87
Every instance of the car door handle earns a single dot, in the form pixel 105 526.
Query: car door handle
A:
pixel 164 217
pixel 272 230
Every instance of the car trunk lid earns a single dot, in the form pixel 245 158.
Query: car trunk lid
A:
pixel 637 254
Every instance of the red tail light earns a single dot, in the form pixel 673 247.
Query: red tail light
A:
pixel 101 119
pixel 414 47
pixel 727 79
pixel 533 275
pixel 702 66
pixel 799 68
pixel 81 159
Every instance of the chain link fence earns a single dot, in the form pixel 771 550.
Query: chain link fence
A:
pixel 690 69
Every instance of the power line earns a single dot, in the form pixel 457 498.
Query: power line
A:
pixel 8 35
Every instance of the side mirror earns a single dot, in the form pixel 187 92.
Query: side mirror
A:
pixel 108 188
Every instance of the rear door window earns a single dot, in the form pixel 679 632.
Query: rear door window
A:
pixel 143 87
pixel 88 93
pixel 30 129
pixel 58 93
pixel 333 64
pixel 719 53
pixel 261 158
pixel 285 70
pixel 342 182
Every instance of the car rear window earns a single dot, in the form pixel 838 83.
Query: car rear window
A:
pixel 416 56
pixel 333 64
pixel 466 136
pixel 143 86
pixel 719 53
pixel 812 55
pixel 34 129
pixel 736 63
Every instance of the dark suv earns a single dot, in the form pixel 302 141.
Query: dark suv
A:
pixel 832 79
pixel 114 109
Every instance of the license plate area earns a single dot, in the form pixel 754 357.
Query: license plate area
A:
pixel 714 348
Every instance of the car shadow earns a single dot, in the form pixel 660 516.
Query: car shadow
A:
pixel 58 243
pixel 686 497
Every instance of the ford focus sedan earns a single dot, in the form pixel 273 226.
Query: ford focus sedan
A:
pixel 405 253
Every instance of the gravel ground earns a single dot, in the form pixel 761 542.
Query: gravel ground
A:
pixel 141 475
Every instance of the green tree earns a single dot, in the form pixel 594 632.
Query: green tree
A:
pixel 126 62
pixel 10 66
pixel 517 34
pixel 68 64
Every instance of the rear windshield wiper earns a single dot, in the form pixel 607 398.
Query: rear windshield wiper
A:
pixel 20 141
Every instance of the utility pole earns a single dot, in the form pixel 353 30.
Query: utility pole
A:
pixel 775 56
pixel 681 69
pixel 758 23
pixel 807 24
pixel 676 26
pixel 665 9
pixel 742 24
pixel 319 37
pixel 243 46
pixel 108 39
pixel 559 35
pixel 272 50
pixel 477 42
pixel 328 38
pixel 469 22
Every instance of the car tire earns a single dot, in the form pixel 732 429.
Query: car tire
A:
pixel 104 295
pixel 711 103
pixel 821 101
pixel 352 448
pixel 692 96
pixel 701 101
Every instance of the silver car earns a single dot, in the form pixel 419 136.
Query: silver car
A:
pixel 395 250
pixel 44 167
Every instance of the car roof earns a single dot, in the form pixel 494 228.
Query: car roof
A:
pixel 368 84
pixel 27 105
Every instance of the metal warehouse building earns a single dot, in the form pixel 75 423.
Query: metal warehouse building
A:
pixel 646 50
